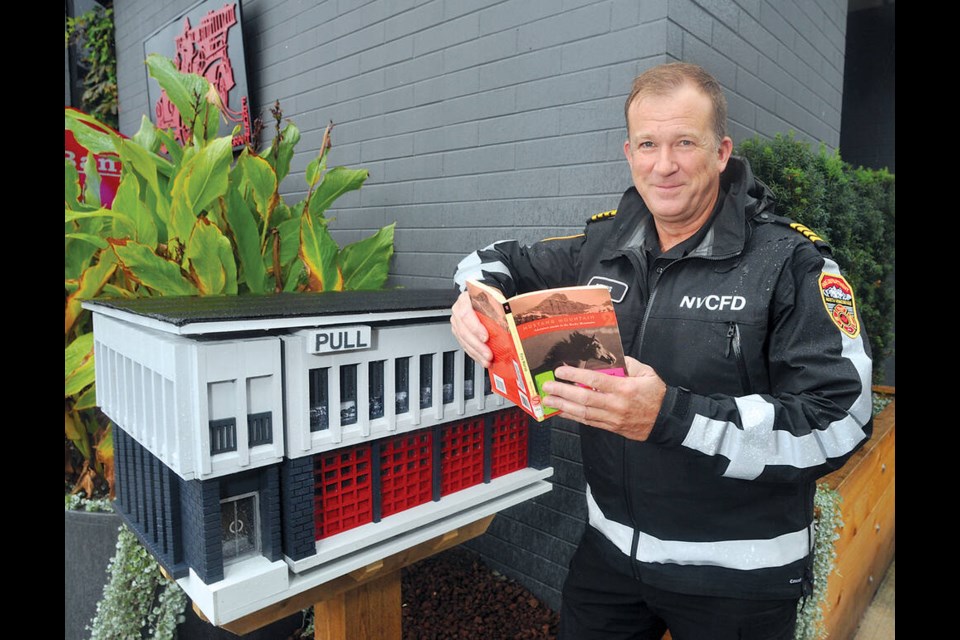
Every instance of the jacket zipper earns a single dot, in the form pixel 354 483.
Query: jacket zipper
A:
pixel 626 485
pixel 733 337
pixel 638 341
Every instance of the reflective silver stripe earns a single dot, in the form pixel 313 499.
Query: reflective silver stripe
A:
pixel 619 534
pixel 757 444
pixel 472 267
pixel 853 350
pixel 732 554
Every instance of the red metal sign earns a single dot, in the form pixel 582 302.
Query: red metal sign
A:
pixel 204 50
pixel 108 165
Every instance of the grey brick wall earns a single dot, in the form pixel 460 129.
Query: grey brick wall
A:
pixel 148 501
pixel 296 495
pixel 200 514
pixel 479 119
pixel 501 119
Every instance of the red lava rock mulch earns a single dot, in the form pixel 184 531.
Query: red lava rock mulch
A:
pixel 454 595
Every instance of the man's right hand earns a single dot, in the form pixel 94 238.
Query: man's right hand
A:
pixel 469 331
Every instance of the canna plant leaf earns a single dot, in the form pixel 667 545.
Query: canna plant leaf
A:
pixel 202 254
pixel 365 264
pixel 143 266
pixel 185 90
pixel 338 181
pixel 319 254
pixel 244 230
pixel 78 370
pixel 280 152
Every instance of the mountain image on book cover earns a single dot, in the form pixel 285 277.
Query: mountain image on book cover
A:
pixel 534 333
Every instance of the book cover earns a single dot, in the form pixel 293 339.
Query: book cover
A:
pixel 534 333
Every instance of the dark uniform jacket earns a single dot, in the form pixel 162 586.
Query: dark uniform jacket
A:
pixel 768 372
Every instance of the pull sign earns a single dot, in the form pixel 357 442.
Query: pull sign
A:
pixel 339 339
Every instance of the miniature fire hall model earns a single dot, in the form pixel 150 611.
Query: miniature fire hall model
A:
pixel 265 445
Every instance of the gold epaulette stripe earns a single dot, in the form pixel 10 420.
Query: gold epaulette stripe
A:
pixel 603 215
pixel 806 231
pixel 576 235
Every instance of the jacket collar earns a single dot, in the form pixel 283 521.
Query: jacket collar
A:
pixel 745 197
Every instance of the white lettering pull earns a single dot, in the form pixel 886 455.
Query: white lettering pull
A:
pixel 339 339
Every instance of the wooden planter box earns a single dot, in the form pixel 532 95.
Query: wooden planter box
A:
pixel 866 545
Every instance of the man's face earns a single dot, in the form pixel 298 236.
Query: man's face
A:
pixel 674 157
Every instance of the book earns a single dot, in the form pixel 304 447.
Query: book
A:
pixel 532 334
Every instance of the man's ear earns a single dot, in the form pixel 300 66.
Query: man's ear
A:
pixel 724 152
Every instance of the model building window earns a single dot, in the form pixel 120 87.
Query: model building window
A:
pixel 426 380
pixel 375 383
pixel 260 428
pixel 448 375
pixel 401 376
pixel 223 435
pixel 259 415
pixel 348 394
pixel 239 527
pixel 222 408
pixel 319 400
pixel 469 369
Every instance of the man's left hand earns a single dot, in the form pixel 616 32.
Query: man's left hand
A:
pixel 625 405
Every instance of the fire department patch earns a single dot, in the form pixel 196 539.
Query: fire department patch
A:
pixel 838 299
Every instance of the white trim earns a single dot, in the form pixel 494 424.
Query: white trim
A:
pixel 744 555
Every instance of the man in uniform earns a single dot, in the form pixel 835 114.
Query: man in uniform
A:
pixel 748 378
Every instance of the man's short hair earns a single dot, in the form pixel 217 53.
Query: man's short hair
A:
pixel 667 78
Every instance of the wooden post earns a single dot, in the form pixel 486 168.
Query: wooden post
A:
pixel 370 610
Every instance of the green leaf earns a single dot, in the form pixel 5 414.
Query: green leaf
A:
pixel 289 240
pixel 77 255
pixel 91 185
pixel 261 180
pixel 225 251
pixel 87 399
pixel 78 369
pixel 293 276
pixel 280 152
pixel 70 216
pixel 147 136
pixel 314 172
pixel 142 226
pixel 114 291
pixel 365 264
pixel 183 89
pixel 172 146
pixel 206 178
pixel 89 138
pixel 144 266
pixel 96 241
pixel 74 432
pixel 145 164
pixel 202 179
pixel 338 181
pixel 282 213
pixel 91 283
pixel 244 229
pixel 204 257
pixel 318 250
pixel 71 185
